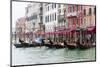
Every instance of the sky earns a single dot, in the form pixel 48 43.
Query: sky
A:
pixel 18 11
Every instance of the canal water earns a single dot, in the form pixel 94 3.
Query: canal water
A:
pixel 43 55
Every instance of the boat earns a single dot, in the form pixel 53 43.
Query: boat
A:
pixel 28 45
pixel 57 46
pixel 21 45
pixel 85 45
pixel 49 45
pixel 54 46
pixel 71 46
pixel 36 43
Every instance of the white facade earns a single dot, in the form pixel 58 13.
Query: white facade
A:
pixel 50 16
pixel 61 14
pixel 33 16
pixel 33 11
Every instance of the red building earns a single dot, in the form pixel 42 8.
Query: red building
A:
pixel 74 15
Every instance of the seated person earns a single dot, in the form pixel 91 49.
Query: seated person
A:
pixel 50 42
pixel 21 41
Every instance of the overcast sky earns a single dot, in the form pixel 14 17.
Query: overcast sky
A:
pixel 18 10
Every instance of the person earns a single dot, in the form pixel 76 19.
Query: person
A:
pixel 65 42
pixel 50 42
pixel 21 41
pixel 78 42
pixel 42 41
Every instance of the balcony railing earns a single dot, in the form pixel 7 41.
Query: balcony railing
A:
pixel 72 14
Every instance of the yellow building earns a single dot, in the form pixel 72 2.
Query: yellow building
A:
pixel 89 16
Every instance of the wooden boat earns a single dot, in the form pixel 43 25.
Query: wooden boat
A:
pixel 27 45
pixel 85 45
pixel 21 45
pixel 57 46
pixel 49 45
pixel 71 46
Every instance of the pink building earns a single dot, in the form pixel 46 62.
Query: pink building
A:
pixel 20 28
pixel 74 15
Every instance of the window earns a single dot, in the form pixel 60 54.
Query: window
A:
pixel 84 12
pixel 27 10
pixel 55 16
pixel 52 6
pixel 48 8
pixel 70 9
pixel 95 10
pixel 90 12
pixel 73 8
pixel 81 7
pixel 76 7
pixel 45 18
pixel 50 17
pixel 55 5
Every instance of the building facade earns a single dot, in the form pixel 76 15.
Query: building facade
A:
pixel 89 15
pixel 50 19
pixel 21 28
pixel 34 16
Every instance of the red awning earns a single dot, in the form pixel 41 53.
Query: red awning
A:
pixel 91 29
pixel 68 30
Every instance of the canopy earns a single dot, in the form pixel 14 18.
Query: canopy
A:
pixel 91 29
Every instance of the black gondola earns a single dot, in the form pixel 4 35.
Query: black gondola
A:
pixel 71 46
pixel 67 45
pixel 85 45
pixel 54 46
pixel 28 45
pixel 21 45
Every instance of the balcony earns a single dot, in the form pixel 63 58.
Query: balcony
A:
pixel 78 14
pixel 72 14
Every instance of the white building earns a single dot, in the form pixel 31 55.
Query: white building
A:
pixel 50 16
pixel 34 17
pixel 33 14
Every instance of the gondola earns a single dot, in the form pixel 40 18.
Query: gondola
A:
pixel 85 46
pixel 59 46
pixel 54 46
pixel 28 45
pixel 49 45
pixel 21 45
pixel 81 46
pixel 71 46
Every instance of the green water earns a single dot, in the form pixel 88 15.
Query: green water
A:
pixel 43 55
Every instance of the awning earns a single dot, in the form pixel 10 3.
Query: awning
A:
pixel 68 30
pixel 91 29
